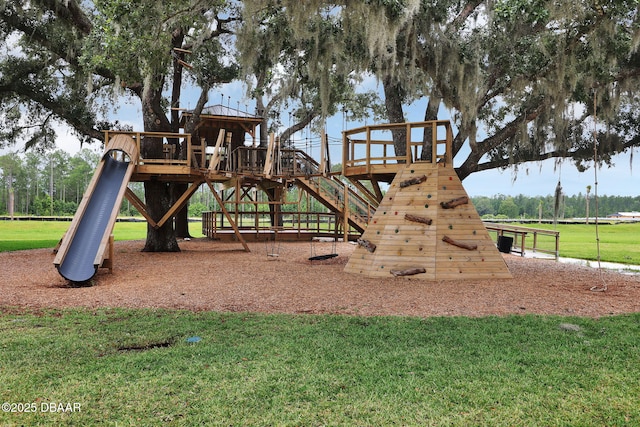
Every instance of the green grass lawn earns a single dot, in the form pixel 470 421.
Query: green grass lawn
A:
pixel 135 367
pixel 618 242
pixel 19 235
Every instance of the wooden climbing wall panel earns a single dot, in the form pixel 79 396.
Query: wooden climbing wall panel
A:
pixel 410 224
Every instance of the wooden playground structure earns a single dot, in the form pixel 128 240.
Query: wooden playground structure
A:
pixel 423 225
pixel 220 154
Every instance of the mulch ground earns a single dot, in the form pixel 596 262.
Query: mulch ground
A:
pixel 210 275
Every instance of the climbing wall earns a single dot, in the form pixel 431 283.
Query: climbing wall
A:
pixel 427 228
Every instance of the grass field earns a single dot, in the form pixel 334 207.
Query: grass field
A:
pixel 618 242
pixel 137 367
pixel 19 235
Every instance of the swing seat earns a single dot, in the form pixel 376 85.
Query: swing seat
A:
pixel 322 257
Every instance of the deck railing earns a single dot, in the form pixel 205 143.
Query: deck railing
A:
pixel 167 148
pixel 321 223
pixel 369 146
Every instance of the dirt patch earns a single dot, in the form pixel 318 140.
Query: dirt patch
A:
pixel 210 275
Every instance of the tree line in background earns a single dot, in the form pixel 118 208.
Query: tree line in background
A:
pixel 534 207
pixel 497 206
pixel 48 185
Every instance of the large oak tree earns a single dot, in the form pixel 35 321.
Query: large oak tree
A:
pixel 523 80
pixel 70 61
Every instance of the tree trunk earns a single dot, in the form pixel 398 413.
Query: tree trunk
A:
pixel 182 217
pixel 393 95
pixel 275 214
pixel 163 239
pixel 431 113
pixel 157 194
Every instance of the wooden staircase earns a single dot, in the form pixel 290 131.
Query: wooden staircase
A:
pixel 335 194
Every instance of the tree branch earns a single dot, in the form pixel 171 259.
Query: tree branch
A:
pixel 470 165
pixel 466 11
pixel 70 11
pixel 308 117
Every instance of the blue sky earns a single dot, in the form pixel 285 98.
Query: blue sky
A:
pixel 532 179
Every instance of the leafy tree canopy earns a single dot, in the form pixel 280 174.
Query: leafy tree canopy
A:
pixel 525 73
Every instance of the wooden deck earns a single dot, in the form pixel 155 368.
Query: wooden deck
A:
pixel 171 157
pixel 174 157
pixel 369 152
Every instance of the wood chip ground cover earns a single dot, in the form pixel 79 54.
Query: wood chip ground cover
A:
pixel 210 275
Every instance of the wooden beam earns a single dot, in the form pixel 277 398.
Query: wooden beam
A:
pixel 184 64
pixel 226 213
pixel 177 49
pixel 345 214
pixel 107 262
pixel 366 192
pixel 140 206
pixel 268 164
pixel 179 204
pixel 214 162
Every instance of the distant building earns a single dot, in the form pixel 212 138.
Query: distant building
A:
pixel 625 215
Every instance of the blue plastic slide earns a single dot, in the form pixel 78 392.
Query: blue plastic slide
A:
pixel 78 264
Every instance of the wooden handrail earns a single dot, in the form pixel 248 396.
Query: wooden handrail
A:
pixel 137 137
pixel 371 145
pixel 522 232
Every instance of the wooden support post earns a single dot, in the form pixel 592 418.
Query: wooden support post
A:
pixel 108 261
pixel 226 213
pixel 377 190
pixel 371 247
pixel 455 202
pixel 268 164
pixel 140 206
pixel 345 214
pixel 413 181
pixel 214 162
pixel 236 202
pixel 408 272
pixel 188 148
pixel 179 204
pixel 203 153
pixel 462 245
pixel 416 218
pixel 407 133
pixel 434 143
pixel 111 253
